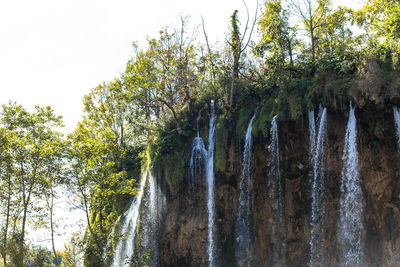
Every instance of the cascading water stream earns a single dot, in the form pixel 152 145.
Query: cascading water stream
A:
pixel 198 159
pixel 126 246
pixel 351 209
pixel 243 215
pixel 311 129
pixel 197 123
pixel 396 113
pixel 278 249
pixel 317 148
pixel 153 204
pixel 210 182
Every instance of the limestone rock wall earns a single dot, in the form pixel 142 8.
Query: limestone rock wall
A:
pixel 184 230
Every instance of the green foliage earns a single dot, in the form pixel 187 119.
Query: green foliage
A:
pixel 295 108
pixel 30 169
pixel 249 95
pixel 261 124
pixel 140 261
pixel 132 160
pixel 381 20
pixel 39 257
pixel 165 79
pixel 105 162
pixel 72 251
pixel 278 39
pixel 173 166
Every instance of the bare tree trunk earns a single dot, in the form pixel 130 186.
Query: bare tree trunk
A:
pixel 20 262
pixel 7 223
pixel 312 41
pixel 290 51
pixel 178 125
pixel 236 51
pixel 50 203
pixel 122 134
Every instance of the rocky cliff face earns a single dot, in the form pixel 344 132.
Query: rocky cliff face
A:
pixel 184 229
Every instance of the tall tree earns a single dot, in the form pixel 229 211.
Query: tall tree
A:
pixel 278 38
pixel 381 20
pixel 55 165
pixel 6 188
pixel 313 15
pixel 164 79
pixel 238 44
pixel 97 180
pixel 34 134
pixel 335 37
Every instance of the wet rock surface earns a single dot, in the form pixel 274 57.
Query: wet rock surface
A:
pixel 184 230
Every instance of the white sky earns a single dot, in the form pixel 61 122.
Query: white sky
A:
pixel 53 52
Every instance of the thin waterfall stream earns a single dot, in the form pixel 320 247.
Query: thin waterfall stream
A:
pixel 126 246
pixel 311 129
pixel 197 162
pixel 210 187
pixel 151 210
pixel 396 113
pixel 198 159
pixel 351 209
pixel 278 248
pixel 243 214
pixel 318 140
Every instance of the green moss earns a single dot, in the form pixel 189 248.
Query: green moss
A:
pixel 173 167
pixel 379 129
pixel 169 152
pixel 295 107
pixel 220 146
pixel 244 116
pixel 261 123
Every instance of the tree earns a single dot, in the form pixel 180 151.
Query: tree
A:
pixel 313 15
pixel 33 135
pixel 278 37
pixel 97 180
pixel 54 162
pixel 72 251
pixel 110 105
pixel 6 187
pixel 238 44
pixel 381 20
pixel 164 79
pixel 335 36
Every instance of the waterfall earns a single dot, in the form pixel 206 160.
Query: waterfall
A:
pixel 198 159
pixel 311 129
pixel 278 250
pixel 126 246
pixel 243 215
pixel 210 187
pixel 396 112
pixel 201 159
pixel 350 222
pixel 153 204
pixel 197 122
pixel 317 148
